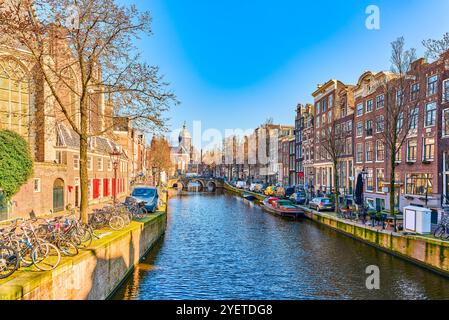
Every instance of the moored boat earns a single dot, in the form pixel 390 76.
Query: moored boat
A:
pixel 249 197
pixel 283 208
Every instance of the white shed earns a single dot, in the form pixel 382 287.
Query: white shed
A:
pixel 417 219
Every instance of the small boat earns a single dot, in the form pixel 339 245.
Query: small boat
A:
pixel 282 208
pixel 249 197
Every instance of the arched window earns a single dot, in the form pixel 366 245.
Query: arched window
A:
pixel 14 96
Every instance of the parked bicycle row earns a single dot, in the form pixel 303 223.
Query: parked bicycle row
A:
pixel 41 242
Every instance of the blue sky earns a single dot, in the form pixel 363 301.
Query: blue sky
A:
pixel 235 63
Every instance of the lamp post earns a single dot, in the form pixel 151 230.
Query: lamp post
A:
pixel 115 159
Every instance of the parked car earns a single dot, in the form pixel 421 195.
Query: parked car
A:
pixel 299 197
pixel 147 195
pixel 320 204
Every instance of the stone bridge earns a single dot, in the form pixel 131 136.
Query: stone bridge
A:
pixel 205 184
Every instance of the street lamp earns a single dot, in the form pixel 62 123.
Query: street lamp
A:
pixel 115 156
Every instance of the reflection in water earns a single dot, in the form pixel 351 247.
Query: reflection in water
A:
pixel 222 247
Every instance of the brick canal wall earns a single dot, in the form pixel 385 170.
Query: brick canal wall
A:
pixel 429 253
pixel 95 273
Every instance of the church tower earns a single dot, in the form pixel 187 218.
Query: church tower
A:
pixel 185 140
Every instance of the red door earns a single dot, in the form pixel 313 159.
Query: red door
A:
pixel 96 192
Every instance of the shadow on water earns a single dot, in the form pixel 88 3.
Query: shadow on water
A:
pixel 223 247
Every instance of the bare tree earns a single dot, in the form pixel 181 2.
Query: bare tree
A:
pixel 160 156
pixel 332 140
pixel 86 49
pixel 398 120
pixel 434 48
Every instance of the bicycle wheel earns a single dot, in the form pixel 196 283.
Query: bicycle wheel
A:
pixel 116 223
pixel 439 232
pixel 67 247
pixel 46 256
pixel 9 261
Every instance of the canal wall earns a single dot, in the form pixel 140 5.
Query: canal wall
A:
pixel 95 273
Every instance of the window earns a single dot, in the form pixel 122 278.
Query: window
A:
pixel 329 117
pixel 324 101
pixel 109 165
pixel 445 122
pixel 369 151
pixel 411 150
pixel 100 164
pixel 14 96
pixel 359 110
pixel 331 101
pixel 359 130
pixel 419 184
pixel 429 149
pixel 323 119
pixel 380 124
pixel 76 161
pixel 359 153
pixel 413 121
pixel 414 91
pixel 318 122
pixel 398 153
pixel 37 185
pixel 348 146
pixel 380 176
pixel 431 114
pixel 380 150
pixel 369 128
pixel 380 102
pixel 318 107
pixel 59 157
pixel 369 106
pixel 370 180
pixel 432 85
pixel 89 163
pixel 349 126
pixel 446 90
pixel 399 97
pixel 400 122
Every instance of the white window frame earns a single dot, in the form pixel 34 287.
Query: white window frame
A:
pixel 90 161
pixel 443 133
pixel 357 110
pixel 380 95
pixel 76 160
pixel 445 91
pixel 100 161
pixel 372 106
pixel 425 114
pixel 436 85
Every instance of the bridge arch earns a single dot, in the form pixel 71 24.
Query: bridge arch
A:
pixel 199 181
pixel 211 186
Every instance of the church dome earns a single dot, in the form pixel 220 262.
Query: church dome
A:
pixel 184 134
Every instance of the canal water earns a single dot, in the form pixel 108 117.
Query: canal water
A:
pixel 218 246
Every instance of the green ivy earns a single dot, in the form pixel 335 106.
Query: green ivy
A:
pixel 16 164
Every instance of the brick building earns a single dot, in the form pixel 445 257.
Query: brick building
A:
pixel 54 145
pixel 421 172
pixel 333 109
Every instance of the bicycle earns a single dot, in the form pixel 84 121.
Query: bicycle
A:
pixel 442 231
pixel 9 261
